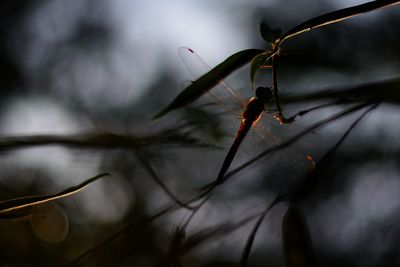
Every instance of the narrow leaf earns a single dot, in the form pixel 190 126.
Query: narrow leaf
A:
pixel 23 202
pixel 296 239
pixel 269 34
pixel 260 61
pixel 250 240
pixel 334 17
pixel 210 79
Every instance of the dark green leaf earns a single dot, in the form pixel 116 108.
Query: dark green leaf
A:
pixel 260 61
pixel 334 17
pixel 268 34
pixel 210 79
pixel 23 202
pixel 296 239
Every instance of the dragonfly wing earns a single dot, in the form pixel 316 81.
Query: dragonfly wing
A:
pixel 222 93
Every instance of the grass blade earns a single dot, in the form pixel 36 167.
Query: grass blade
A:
pixel 269 34
pixel 210 79
pixel 334 17
pixel 23 202
pixel 260 61
pixel 297 246
pixel 159 181
pixel 250 240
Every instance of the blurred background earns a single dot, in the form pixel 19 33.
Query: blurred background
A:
pixel 79 66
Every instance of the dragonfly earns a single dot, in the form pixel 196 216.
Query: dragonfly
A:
pixel 250 116
pixel 252 109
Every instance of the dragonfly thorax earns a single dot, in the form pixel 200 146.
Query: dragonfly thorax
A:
pixel 255 106
pixel 263 93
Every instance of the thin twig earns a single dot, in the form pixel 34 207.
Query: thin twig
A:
pixel 250 240
pixel 158 181
pixel 326 160
pixel 165 210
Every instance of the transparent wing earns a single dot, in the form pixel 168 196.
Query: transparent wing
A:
pixel 222 93
pixel 268 129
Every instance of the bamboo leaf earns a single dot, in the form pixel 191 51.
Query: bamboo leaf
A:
pixel 334 17
pixel 269 34
pixel 260 61
pixel 296 239
pixel 210 79
pixel 23 202
pixel 250 239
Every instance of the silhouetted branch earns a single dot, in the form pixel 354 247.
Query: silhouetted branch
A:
pixel 250 240
pixel 145 219
pixel 105 140
pixel 327 159
pixel 157 179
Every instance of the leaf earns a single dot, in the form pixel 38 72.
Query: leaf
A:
pixel 259 62
pixel 250 239
pixel 269 34
pixel 296 239
pixel 23 202
pixel 210 79
pixel 334 17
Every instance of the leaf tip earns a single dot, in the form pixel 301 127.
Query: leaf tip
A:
pixel 160 114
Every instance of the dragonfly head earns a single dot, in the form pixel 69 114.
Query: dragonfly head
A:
pixel 264 93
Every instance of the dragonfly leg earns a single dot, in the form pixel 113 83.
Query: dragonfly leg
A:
pixel 282 119
pixel 279 116
pixel 270 110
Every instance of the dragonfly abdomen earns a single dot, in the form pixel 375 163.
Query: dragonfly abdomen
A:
pixel 243 130
pixel 250 116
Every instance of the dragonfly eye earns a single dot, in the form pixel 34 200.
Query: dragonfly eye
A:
pixel 263 93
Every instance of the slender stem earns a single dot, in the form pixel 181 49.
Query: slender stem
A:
pixel 274 60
